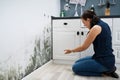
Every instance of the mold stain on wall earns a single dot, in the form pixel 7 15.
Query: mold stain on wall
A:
pixel 41 55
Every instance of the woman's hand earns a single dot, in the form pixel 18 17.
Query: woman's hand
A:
pixel 68 51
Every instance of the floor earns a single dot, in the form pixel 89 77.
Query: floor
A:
pixel 52 71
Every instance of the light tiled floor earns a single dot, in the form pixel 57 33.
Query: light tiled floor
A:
pixel 52 71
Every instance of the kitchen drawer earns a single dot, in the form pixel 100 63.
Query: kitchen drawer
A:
pixel 67 23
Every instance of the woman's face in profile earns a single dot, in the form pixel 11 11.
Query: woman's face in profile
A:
pixel 86 23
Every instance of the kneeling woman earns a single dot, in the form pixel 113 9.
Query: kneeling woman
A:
pixel 103 60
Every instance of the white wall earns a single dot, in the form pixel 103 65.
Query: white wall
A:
pixel 21 22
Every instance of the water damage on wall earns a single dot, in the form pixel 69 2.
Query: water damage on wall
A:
pixel 41 53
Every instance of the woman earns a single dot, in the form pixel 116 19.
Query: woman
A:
pixel 103 60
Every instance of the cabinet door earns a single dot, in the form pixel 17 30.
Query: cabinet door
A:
pixel 116 38
pixel 64 40
pixel 116 31
pixel 117 53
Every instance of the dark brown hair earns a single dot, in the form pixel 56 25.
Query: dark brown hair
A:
pixel 91 15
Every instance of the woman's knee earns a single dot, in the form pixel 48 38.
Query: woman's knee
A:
pixel 75 68
pixel 82 72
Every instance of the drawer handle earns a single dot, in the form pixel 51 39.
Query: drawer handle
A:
pixel 65 23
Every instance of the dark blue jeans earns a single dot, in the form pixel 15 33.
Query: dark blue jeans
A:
pixel 88 67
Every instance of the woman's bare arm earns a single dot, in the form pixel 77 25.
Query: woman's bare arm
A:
pixel 88 41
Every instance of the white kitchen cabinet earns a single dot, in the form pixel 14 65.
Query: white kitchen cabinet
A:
pixel 116 31
pixel 116 38
pixel 66 35
pixel 70 33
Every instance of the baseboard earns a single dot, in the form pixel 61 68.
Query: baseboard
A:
pixel 39 69
pixel 59 61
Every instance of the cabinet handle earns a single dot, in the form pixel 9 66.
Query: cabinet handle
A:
pixel 82 33
pixel 65 23
pixel 78 32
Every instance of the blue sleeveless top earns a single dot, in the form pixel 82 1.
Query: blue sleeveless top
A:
pixel 103 47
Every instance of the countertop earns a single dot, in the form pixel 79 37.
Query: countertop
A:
pixel 112 16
